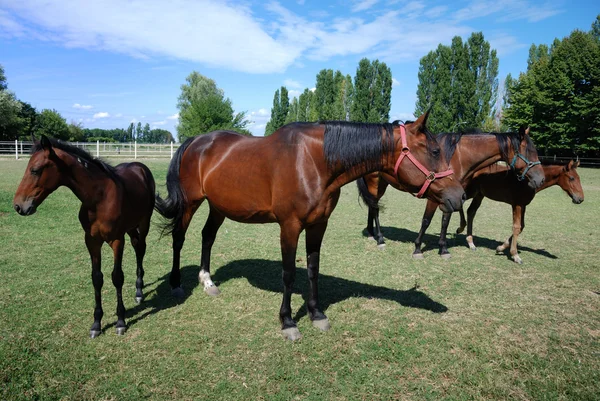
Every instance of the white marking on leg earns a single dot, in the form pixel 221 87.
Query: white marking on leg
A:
pixel 204 277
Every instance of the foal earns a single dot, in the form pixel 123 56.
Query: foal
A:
pixel 499 184
pixel 114 201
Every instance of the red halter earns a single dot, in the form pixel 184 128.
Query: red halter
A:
pixel 430 175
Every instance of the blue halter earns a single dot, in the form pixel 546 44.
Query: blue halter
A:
pixel 529 165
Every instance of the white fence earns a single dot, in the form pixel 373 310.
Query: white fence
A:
pixel 132 150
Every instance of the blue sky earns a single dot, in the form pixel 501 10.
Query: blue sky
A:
pixel 106 63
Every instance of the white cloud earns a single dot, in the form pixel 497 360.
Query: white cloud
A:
pixel 173 117
pixel 395 82
pixel 133 120
pixel 362 5
pixel 402 117
pixel 82 106
pixel 150 29
pixel 102 114
pixel 258 121
pixel 290 83
pixel 118 115
pixel 164 122
pixel 294 93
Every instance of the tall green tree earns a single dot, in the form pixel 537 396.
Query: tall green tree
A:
pixel 130 132
pixel 305 106
pixel 203 108
pixel 138 131
pixel 372 92
pixel 344 96
pixel 279 111
pixel 52 124
pixel 324 97
pixel 3 83
pixel 559 96
pixel 460 84
pixel 76 133
pixel 292 114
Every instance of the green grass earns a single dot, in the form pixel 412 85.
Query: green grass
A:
pixel 477 326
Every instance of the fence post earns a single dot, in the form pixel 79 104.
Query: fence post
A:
pixel 171 149
pixel 21 147
pixel 135 150
pixel 98 148
pixel 16 149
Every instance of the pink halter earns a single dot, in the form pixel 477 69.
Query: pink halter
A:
pixel 430 176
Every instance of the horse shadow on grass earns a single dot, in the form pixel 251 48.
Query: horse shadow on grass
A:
pixel 266 275
pixel 162 300
pixel 430 241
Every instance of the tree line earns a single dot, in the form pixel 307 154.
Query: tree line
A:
pixel 337 97
pixel 559 94
pixel 20 120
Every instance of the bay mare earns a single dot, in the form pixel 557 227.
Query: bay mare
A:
pixel 114 201
pixel 468 152
pixel 500 184
pixel 292 177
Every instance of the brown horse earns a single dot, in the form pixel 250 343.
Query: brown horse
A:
pixel 467 152
pixel 114 201
pixel 292 177
pixel 499 184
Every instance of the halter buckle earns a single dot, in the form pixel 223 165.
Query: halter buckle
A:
pixel 405 150
pixel 431 176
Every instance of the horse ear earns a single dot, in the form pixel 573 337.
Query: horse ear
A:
pixel 421 122
pixel 527 131
pixel 523 131
pixel 45 142
pixel 569 166
pixel 576 164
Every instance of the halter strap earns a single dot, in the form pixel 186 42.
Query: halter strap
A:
pixel 529 165
pixel 430 176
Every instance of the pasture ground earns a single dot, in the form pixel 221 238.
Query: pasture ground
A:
pixel 474 327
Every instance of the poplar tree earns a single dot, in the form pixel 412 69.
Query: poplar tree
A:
pixel 372 92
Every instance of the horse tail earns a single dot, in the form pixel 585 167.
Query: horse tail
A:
pixel 365 195
pixel 173 207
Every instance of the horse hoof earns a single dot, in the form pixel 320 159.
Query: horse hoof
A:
pixel 417 256
pixel 138 300
pixel 322 324
pixel 212 291
pixel 177 292
pixel 381 246
pixel 121 330
pixel 94 333
pixel 291 333
pixel 459 230
pixel 371 238
pixel 500 249
pixel 446 255
pixel 518 260
pixel 472 247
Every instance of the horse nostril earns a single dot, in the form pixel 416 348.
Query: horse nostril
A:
pixel 18 208
pixel 464 197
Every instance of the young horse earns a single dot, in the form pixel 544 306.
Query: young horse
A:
pixel 114 201
pixel 467 152
pixel 292 177
pixel 499 184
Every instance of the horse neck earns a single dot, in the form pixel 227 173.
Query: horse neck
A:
pixel 465 161
pixel 86 180
pixel 551 176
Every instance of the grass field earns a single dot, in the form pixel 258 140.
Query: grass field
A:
pixel 477 326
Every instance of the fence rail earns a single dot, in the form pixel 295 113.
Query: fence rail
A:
pixel 132 150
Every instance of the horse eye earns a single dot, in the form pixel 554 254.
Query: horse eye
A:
pixel 35 171
pixel 435 152
pixel 571 178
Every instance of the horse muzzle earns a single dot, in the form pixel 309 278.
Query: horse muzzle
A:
pixel 577 200
pixel 25 209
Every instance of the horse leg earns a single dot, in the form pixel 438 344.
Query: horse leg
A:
pixel 94 248
pixel 518 226
pixel 289 243
pixel 138 241
pixel 471 211
pixel 378 234
pixel 370 220
pixel 118 278
pixel 178 240
pixel 427 216
pixel 442 242
pixel 314 238
pixel 463 221
pixel 209 233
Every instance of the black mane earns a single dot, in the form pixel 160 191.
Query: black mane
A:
pixel 81 154
pixel 449 140
pixel 353 143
